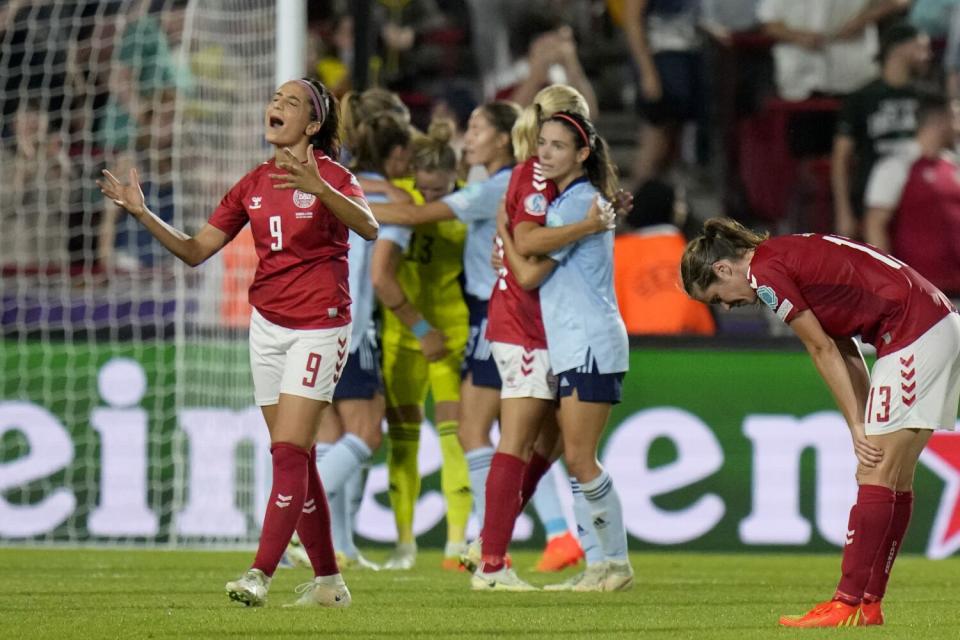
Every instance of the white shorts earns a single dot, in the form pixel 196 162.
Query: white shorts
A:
pixel 298 362
pixel 918 386
pixel 525 373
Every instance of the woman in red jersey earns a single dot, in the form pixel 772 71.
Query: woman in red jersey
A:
pixel 829 289
pixel 300 205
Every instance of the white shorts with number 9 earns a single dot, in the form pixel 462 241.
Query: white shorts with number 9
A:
pixel 299 362
pixel 917 387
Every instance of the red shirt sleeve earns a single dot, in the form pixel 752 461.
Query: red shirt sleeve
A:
pixel 339 177
pixel 230 216
pixel 774 285
pixel 532 195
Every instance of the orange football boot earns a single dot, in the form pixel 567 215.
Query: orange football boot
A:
pixel 561 552
pixel 832 613
pixel 872 613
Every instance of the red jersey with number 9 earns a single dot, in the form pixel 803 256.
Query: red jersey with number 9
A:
pixel 301 278
pixel 851 288
pixel 513 314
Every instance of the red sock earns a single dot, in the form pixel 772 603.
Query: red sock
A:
pixel 503 504
pixel 285 504
pixel 880 574
pixel 866 530
pixel 314 525
pixel 536 469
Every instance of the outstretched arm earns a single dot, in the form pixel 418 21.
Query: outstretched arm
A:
pixel 847 381
pixel 192 250
pixel 412 214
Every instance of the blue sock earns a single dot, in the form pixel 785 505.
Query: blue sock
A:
pixel 352 498
pixel 585 531
pixel 478 462
pixel 344 457
pixel 334 499
pixel 546 502
pixel 607 515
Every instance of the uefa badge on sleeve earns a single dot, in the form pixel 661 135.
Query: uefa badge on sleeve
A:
pixel 535 204
pixel 768 296
pixel 303 200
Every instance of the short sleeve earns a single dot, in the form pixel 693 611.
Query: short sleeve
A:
pixel 886 183
pixel 473 203
pixel 398 234
pixel 775 288
pixel 230 216
pixel 349 186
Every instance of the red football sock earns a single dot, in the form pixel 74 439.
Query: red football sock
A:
pixel 286 501
pixel 880 574
pixel 503 504
pixel 536 469
pixel 866 530
pixel 314 525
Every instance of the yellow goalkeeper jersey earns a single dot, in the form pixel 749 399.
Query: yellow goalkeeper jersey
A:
pixel 429 275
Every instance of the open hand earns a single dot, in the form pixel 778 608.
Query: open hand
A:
pixel 128 196
pixel 602 215
pixel 305 177
pixel 622 202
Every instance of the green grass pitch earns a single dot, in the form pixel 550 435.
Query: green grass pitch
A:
pixel 83 593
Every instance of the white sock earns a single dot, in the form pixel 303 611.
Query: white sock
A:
pixel 478 462
pixel 585 531
pixel 546 502
pixel 345 456
pixel 607 516
pixel 352 498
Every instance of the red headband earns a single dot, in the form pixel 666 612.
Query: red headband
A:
pixel 583 134
pixel 317 100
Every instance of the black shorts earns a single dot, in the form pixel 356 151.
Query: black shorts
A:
pixel 591 386
pixel 478 359
pixel 682 83
pixel 361 378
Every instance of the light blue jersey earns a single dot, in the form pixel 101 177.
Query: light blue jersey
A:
pixel 476 205
pixel 580 314
pixel 361 285
pixel 398 234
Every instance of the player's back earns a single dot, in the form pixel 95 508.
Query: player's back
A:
pixel 852 289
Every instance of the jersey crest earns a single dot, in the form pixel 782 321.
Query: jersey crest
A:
pixel 303 200
pixel 535 204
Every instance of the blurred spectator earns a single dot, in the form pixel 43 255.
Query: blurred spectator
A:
pixel 876 120
pixel 646 263
pixel 332 47
pixel 951 57
pixel 913 200
pixel 408 61
pixel 38 192
pixel 932 16
pixel 544 52
pixel 824 46
pixel 722 17
pixel 665 44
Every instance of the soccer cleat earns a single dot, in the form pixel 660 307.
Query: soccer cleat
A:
pixel 403 557
pixel 619 576
pixel 872 613
pixel 250 588
pixel 561 552
pixel 505 579
pixel 356 562
pixel 832 613
pixel 452 564
pixel 327 591
pixel 593 579
pixel 296 555
pixel 452 553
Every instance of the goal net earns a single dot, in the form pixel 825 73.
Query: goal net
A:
pixel 125 400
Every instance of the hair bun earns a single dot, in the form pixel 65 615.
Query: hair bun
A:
pixel 441 130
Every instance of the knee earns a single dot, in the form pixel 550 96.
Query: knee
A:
pixel 373 438
pixel 472 436
pixel 581 465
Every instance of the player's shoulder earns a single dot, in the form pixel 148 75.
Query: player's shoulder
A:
pixel 330 168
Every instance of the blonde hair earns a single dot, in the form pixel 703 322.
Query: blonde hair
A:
pixel 722 239
pixel 432 151
pixel 548 101
pixel 357 108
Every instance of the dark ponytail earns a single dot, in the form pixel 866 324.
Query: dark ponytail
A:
pixel 327 139
pixel 600 171
pixel 722 239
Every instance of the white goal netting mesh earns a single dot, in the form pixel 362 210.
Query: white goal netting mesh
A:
pixel 124 383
